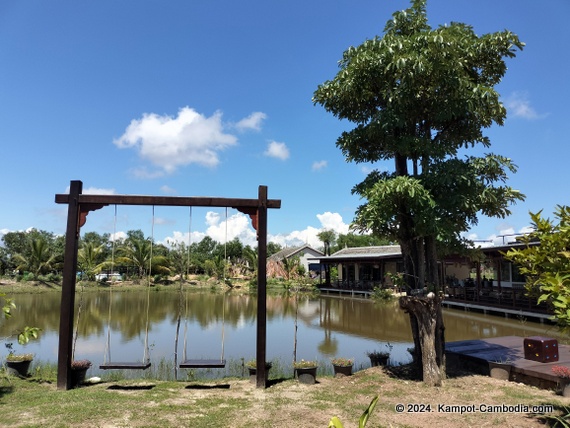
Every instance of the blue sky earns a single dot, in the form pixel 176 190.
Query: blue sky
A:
pixel 213 98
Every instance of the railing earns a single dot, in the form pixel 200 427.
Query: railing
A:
pixel 510 298
pixel 507 297
pixel 365 285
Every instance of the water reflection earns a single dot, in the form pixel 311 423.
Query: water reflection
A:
pixel 211 324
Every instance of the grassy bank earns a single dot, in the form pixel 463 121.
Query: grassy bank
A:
pixel 286 403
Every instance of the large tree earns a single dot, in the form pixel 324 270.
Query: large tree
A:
pixel 421 97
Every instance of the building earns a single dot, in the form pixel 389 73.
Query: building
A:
pixel 305 254
pixel 487 280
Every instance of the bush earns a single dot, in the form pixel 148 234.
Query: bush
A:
pixel 382 294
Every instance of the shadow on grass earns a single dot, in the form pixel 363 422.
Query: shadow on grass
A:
pixel 202 386
pixel 131 387
pixel 5 390
pixel 277 381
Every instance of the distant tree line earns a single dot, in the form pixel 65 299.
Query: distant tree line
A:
pixel 37 254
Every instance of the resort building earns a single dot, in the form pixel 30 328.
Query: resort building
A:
pixel 305 254
pixel 489 280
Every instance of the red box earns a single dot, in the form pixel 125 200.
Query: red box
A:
pixel 541 349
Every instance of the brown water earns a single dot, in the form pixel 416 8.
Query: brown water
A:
pixel 211 324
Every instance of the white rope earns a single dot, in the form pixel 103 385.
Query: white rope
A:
pixel 223 324
pixel 107 355
pixel 184 352
pixel 146 354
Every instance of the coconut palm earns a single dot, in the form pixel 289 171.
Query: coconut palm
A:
pixel 40 259
pixel 137 252
pixel 89 259
pixel 327 236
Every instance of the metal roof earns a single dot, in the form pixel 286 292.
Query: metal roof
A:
pixel 359 253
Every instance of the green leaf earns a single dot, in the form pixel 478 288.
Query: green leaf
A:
pixel 335 423
pixel 364 418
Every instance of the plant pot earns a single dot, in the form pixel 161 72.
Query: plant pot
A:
pixel 253 372
pixel 376 361
pixel 77 376
pixel 18 368
pixel 342 370
pixel 306 375
pixel 501 371
pixel 563 387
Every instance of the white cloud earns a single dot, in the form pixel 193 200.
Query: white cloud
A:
pixel 518 105
pixel 308 235
pixel 119 236
pixel 182 237
pixel 253 121
pixel 333 221
pixel 277 150
pixel 239 225
pixel 318 165
pixel 170 142
pixel 167 190
pixel 95 191
pixel 527 229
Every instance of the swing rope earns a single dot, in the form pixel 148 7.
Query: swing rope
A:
pixel 146 353
pixel 184 352
pixel 107 354
pixel 223 325
pixel 107 361
pixel 226 248
pixel 187 364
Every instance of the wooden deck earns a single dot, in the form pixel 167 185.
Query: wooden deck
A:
pixel 475 355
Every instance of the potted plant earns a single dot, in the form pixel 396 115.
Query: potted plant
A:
pixel 378 358
pixel 78 371
pixel 500 368
pixel 563 374
pixel 342 366
pixel 251 366
pixel 17 364
pixel 306 371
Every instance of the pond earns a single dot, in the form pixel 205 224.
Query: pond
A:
pixel 211 325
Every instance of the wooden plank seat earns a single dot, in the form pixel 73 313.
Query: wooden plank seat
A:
pixel 203 364
pixel 137 365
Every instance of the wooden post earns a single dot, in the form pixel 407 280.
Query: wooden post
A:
pixel 261 374
pixel 68 288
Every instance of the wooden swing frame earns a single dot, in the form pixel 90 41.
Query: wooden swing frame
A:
pixel 79 206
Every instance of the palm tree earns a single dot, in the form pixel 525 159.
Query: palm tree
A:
pixel 179 258
pixel 250 256
pixel 40 259
pixel 137 252
pixel 327 236
pixel 89 259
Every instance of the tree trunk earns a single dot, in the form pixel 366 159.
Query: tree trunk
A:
pixel 432 271
pixel 417 354
pixel 425 311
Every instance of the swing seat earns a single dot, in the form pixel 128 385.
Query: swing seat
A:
pixel 203 364
pixel 137 365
